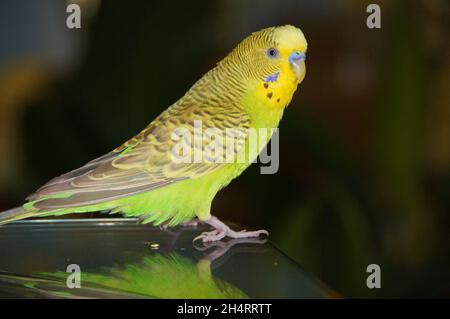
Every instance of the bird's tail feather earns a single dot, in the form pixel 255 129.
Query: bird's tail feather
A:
pixel 14 214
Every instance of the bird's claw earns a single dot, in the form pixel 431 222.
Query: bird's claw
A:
pixel 206 236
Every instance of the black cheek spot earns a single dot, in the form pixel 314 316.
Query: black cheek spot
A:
pixel 278 100
pixel 269 95
pixel 266 85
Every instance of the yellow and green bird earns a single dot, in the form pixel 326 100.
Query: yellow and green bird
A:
pixel 248 89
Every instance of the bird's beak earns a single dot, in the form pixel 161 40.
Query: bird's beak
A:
pixel 297 60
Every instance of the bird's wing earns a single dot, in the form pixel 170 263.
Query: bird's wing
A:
pixel 146 162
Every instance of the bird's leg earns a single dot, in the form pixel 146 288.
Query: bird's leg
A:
pixel 221 230
pixel 191 223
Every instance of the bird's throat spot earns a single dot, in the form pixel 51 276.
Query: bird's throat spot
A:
pixel 269 95
pixel 273 78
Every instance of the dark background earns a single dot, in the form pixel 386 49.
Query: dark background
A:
pixel 365 145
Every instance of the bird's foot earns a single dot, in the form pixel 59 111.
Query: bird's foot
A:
pixel 222 230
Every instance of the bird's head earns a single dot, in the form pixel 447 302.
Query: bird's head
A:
pixel 273 60
pixel 270 50
pixel 289 50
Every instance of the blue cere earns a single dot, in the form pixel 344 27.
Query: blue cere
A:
pixel 297 56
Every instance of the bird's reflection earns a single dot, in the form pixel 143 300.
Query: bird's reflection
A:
pixel 155 275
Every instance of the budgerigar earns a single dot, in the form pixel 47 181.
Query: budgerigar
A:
pixel 248 89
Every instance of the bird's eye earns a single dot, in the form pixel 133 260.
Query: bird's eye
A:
pixel 272 53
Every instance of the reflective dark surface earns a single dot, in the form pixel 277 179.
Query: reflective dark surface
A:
pixel 120 258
